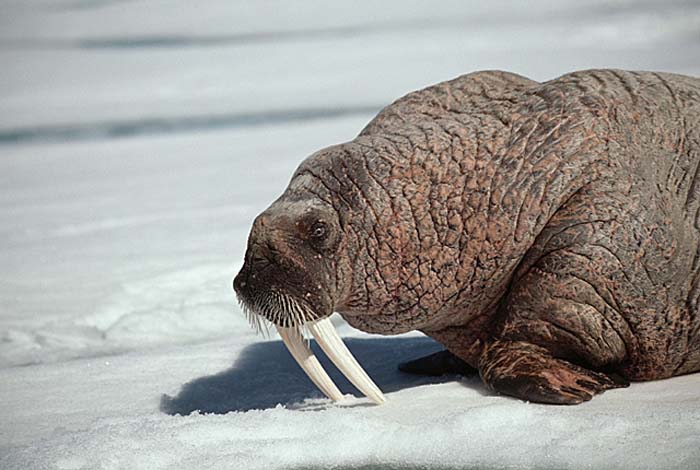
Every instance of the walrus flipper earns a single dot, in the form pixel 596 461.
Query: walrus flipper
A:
pixel 436 364
pixel 529 372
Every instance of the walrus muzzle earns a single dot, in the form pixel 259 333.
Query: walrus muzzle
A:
pixel 290 317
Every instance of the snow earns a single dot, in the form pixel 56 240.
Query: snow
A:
pixel 137 142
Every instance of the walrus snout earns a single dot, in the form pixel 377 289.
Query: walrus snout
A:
pixel 240 281
pixel 255 261
pixel 289 316
pixel 278 290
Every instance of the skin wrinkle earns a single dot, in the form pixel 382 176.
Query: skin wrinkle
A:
pixel 491 203
pixel 693 188
pixel 592 334
pixel 380 244
pixel 569 250
pixel 361 192
pixel 574 335
pixel 608 303
pixel 370 257
pixel 322 182
pixel 682 183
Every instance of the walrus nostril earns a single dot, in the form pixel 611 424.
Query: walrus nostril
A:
pixel 257 259
pixel 256 256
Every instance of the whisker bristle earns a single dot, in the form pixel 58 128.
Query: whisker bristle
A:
pixel 270 308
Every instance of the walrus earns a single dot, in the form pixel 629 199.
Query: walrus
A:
pixel 546 234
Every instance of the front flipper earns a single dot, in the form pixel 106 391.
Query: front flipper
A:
pixel 529 372
pixel 436 364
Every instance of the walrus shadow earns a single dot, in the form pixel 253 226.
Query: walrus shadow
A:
pixel 265 376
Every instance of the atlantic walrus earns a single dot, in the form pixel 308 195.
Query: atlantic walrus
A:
pixel 547 234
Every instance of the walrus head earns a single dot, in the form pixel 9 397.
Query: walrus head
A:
pixel 290 279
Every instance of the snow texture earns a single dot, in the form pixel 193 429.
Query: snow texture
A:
pixel 138 139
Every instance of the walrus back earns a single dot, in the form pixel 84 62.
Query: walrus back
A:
pixel 459 99
pixel 657 116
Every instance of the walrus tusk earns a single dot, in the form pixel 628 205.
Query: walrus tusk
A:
pixel 335 349
pixel 306 359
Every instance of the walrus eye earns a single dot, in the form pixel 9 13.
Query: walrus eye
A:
pixel 318 231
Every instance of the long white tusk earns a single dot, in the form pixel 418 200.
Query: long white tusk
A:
pixel 306 359
pixel 335 349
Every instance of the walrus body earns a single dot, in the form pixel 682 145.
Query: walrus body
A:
pixel 547 234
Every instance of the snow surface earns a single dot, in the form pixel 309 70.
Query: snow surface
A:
pixel 138 139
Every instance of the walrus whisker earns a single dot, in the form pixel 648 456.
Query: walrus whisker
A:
pixel 258 322
pixel 274 308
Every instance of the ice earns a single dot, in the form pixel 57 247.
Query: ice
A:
pixel 138 140
pixel 104 413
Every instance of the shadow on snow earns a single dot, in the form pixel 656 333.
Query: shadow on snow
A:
pixel 266 375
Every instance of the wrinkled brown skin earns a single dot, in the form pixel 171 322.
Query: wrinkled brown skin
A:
pixel 547 234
